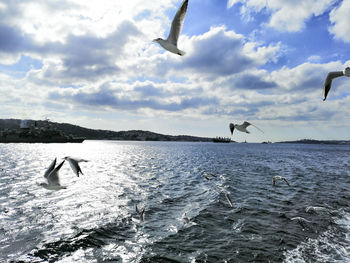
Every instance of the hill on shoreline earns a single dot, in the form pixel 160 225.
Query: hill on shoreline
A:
pixel 96 134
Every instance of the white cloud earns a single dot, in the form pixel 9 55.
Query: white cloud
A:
pixel 340 19
pixel 286 15
pixel 98 62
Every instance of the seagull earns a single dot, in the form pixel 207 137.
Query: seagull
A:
pixel 228 198
pixel 170 43
pixel 74 164
pixel 242 127
pixel 332 75
pixel 141 213
pixel 301 221
pixel 208 175
pixel 186 219
pixel 51 175
pixel 275 178
pixel 316 209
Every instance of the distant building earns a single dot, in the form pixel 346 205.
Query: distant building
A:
pixel 26 124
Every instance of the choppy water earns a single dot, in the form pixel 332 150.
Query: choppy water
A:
pixel 94 219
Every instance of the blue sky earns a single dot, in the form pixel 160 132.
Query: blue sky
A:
pixel 93 64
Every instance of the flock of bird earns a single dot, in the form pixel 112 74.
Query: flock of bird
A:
pixel 52 172
pixel 170 44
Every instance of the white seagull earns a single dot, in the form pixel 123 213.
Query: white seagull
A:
pixel 74 164
pixel 332 75
pixel 170 43
pixel 242 127
pixel 141 213
pixel 51 175
pixel 275 178
pixel 207 175
pixel 228 198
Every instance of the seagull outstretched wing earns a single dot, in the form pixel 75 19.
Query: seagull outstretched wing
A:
pixel 53 178
pixel 177 24
pixel 50 168
pixel 328 82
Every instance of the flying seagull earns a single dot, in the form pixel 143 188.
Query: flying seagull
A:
pixel 207 175
pixel 332 75
pixel 301 221
pixel 51 175
pixel 141 213
pixel 74 164
pixel 315 209
pixel 242 127
pixel 170 43
pixel 186 219
pixel 228 198
pixel 275 178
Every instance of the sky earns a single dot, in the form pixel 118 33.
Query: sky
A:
pixel 93 64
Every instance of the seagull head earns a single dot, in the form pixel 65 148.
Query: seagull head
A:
pixel 157 40
pixel 45 185
pixel 346 71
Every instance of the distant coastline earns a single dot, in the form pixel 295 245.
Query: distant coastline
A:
pixel 139 135
pixel 311 141
pixel 96 134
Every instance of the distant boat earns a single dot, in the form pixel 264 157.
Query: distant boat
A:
pixel 29 132
pixel 222 139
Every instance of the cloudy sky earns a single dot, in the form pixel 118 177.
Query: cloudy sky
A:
pixel 93 63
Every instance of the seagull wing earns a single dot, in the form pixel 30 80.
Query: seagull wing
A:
pixel 50 168
pixel 284 179
pixel 257 128
pixel 176 25
pixel 232 127
pixel 53 177
pixel 245 124
pixel 328 82
pixel 75 166
pixel 229 199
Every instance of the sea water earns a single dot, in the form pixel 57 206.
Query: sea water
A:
pixel 94 219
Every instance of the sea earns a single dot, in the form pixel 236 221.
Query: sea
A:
pixel 187 217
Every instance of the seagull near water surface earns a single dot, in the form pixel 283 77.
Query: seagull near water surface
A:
pixel 52 177
pixel 332 75
pixel 141 213
pixel 170 43
pixel 74 164
pixel 242 127
pixel 278 177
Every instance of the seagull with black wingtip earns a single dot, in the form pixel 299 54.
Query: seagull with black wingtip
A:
pixel 170 43
pixel 52 177
pixel 332 75
pixel 74 164
pixel 242 127
pixel 278 177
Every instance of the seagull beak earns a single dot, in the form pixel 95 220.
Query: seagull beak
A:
pixel 155 40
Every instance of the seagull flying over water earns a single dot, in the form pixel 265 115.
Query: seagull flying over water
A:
pixel 207 175
pixel 275 178
pixel 186 219
pixel 228 198
pixel 315 209
pixel 242 127
pixel 141 213
pixel 301 221
pixel 74 164
pixel 51 175
pixel 170 43
pixel 332 75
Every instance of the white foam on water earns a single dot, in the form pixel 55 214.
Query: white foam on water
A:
pixel 328 247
